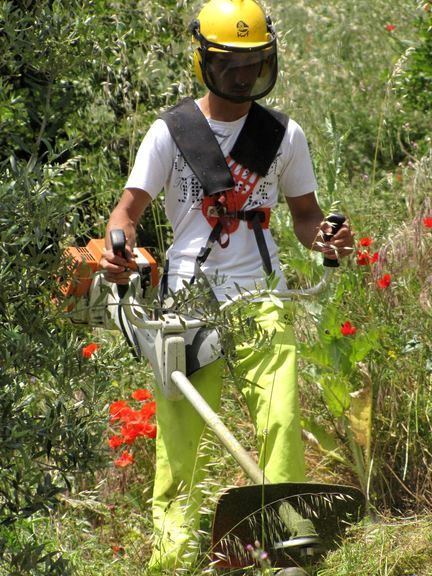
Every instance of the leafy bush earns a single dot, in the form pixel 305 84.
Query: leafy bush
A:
pixel 50 422
pixel 415 82
pixel 80 81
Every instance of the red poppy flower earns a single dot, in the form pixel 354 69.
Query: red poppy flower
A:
pixel 365 241
pixel 89 350
pixel 390 27
pixel 124 460
pixel 129 433
pixel 384 281
pixel 132 430
pixel 347 329
pixel 151 431
pixel 148 410
pixel 115 441
pixel 119 410
pixel 362 257
pixel 373 258
pixel 427 222
pixel 141 394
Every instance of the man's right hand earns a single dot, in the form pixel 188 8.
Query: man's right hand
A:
pixel 125 216
pixel 115 268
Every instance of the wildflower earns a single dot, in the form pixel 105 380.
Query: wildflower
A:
pixel 390 27
pixel 364 258
pixel 373 258
pixel 124 460
pixel 89 350
pixel 134 423
pixel 148 410
pixel 115 441
pixel 384 281
pixel 119 410
pixel 141 394
pixel 347 329
pixel 427 221
pixel 365 241
pixel 132 430
pixel 117 549
pixel 151 431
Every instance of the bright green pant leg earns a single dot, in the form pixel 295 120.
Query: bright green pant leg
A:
pixel 176 498
pixel 273 405
pixel 269 377
pixel 271 393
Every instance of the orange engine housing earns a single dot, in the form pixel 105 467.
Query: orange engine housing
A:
pixel 82 264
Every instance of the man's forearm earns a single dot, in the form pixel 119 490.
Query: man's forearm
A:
pixel 127 214
pixel 308 230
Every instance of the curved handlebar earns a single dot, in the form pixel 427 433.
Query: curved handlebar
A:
pixel 137 316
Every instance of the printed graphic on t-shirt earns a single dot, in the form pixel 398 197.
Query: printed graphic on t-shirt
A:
pixel 186 183
pixel 253 189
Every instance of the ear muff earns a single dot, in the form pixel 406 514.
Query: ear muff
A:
pixel 265 70
pixel 197 60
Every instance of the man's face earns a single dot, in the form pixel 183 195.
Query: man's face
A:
pixel 240 76
pixel 235 74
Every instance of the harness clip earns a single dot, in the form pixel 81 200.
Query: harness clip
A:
pixel 215 211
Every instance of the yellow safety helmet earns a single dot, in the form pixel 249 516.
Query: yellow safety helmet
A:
pixel 236 57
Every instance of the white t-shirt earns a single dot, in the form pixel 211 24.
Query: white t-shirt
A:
pixel 159 165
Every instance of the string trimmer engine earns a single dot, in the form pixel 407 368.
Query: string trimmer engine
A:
pixel 89 298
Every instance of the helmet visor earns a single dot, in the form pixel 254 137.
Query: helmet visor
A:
pixel 240 75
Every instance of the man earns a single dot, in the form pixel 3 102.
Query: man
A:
pixel 222 231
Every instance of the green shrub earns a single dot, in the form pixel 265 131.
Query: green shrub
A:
pixel 79 84
pixel 415 79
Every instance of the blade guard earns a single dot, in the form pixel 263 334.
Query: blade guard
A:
pixel 244 514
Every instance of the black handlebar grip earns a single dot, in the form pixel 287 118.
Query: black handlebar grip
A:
pixel 118 243
pixel 336 221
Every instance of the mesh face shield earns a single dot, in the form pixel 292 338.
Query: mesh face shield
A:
pixel 238 73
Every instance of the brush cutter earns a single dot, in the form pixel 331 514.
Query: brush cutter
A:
pixel 264 515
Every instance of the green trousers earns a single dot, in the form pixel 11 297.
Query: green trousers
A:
pixel 268 380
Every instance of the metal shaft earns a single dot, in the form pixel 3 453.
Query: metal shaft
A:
pixel 218 427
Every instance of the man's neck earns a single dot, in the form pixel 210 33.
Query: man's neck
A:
pixel 217 108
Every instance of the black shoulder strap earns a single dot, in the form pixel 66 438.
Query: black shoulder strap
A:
pixel 255 147
pixel 259 140
pixel 196 141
